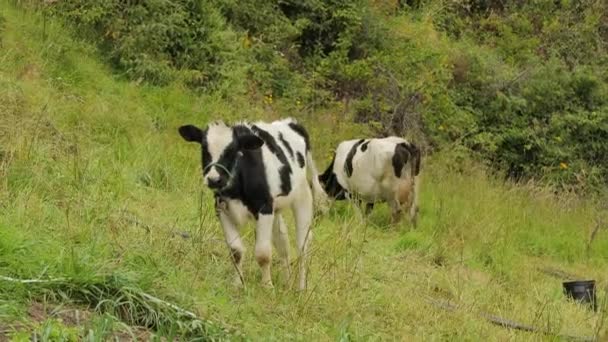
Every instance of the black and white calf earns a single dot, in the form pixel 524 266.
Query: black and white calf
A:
pixel 255 171
pixel 376 170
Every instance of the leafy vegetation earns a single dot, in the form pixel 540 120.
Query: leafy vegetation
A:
pixel 523 85
pixel 97 188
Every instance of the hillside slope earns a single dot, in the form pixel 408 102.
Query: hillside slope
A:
pixel 96 183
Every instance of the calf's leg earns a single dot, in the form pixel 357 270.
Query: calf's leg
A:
pixel 237 249
pixel 263 247
pixel 395 211
pixel 280 240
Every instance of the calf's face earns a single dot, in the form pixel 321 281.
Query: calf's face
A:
pixel 221 148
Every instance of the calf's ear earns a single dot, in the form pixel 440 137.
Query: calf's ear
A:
pixel 249 141
pixel 191 133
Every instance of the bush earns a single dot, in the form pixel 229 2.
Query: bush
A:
pixel 523 85
pixel 155 40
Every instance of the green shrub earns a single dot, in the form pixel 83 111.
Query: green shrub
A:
pixel 523 85
pixel 153 40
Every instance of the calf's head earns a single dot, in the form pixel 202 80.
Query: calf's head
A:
pixel 222 146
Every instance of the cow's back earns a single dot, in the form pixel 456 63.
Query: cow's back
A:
pixel 364 167
pixel 287 148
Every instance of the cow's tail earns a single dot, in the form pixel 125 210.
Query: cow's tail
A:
pixel 319 195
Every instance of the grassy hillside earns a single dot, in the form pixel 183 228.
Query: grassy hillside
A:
pixel 97 188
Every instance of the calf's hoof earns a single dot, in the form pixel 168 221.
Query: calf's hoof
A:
pixel 237 282
pixel 267 284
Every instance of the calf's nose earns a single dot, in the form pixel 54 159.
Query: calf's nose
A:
pixel 215 183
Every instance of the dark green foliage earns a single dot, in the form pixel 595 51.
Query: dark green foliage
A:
pixel 523 85
pixel 151 39
pixel 541 110
pixel 291 39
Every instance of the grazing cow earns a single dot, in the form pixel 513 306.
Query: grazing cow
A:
pixel 376 170
pixel 255 171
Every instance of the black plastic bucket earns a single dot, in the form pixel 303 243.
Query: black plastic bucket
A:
pixel 582 291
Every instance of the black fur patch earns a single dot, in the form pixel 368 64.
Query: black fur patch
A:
pixel 286 144
pixel 301 161
pixel 240 130
pixel 364 146
pixel 285 170
pixel 245 138
pixel 302 132
pixel 205 155
pixel 191 133
pixel 348 165
pixel 250 185
pixel 369 207
pixel 330 182
pixel 400 158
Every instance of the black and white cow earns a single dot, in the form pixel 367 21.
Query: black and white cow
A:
pixel 255 171
pixel 376 170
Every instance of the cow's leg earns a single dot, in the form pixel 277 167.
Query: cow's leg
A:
pixel 405 198
pixel 263 247
pixel 357 203
pixel 395 211
pixel 368 208
pixel 237 249
pixel 414 206
pixel 303 212
pixel 413 211
pixel 281 243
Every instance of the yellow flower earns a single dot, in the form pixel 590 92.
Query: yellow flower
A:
pixel 563 166
pixel 268 99
pixel 441 128
pixel 246 42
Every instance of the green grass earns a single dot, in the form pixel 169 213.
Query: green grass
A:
pixel 95 182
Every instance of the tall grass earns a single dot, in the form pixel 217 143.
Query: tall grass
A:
pixel 94 181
